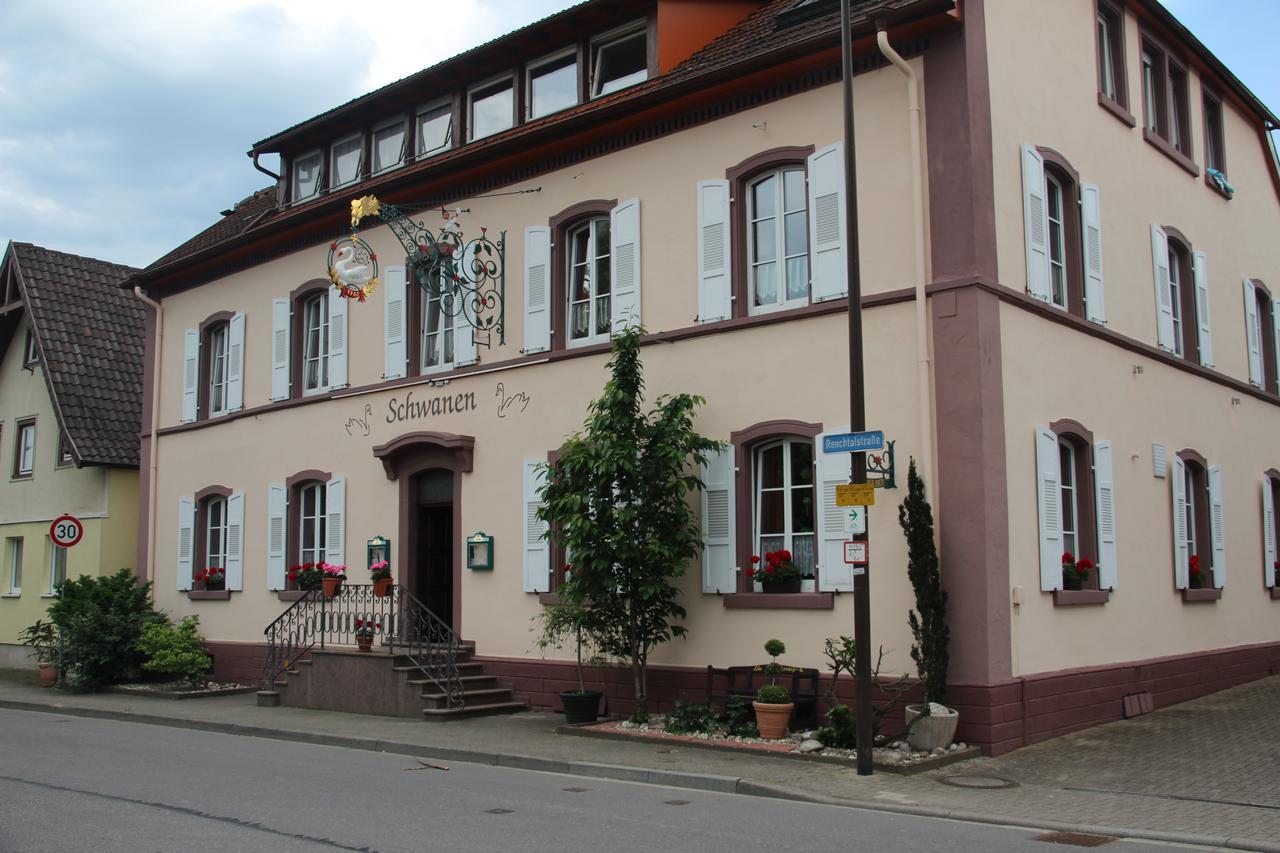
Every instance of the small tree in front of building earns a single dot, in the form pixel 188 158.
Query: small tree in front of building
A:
pixel 618 501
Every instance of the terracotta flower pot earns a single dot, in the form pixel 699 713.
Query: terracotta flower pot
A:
pixel 772 720
pixel 364 643
pixel 382 587
pixel 331 586
pixel 48 675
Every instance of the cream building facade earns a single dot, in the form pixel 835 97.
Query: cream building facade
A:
pixel 679 163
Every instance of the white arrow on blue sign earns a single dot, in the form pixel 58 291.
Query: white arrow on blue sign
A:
pixel 853 442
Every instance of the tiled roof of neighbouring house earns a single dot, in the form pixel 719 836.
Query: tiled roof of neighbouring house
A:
pixel 90 336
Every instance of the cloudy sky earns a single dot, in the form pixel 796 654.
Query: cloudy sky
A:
pixel 125 122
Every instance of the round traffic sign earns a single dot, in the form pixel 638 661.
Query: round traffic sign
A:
pixel 66 530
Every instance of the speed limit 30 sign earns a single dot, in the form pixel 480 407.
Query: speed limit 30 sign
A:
pixel 66 530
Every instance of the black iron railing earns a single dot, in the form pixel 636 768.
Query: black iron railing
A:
pixel 398 620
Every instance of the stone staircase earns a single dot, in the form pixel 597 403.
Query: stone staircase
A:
pixel 340 678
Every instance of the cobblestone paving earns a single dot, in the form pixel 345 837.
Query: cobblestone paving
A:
pixel 1209 767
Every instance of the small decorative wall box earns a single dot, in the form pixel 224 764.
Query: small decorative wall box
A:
pixel 379 550
pixel 479 550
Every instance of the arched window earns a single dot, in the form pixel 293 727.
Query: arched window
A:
pixel 218 346
pixel 783 500
pixel 1076 508
pixel 215 532
pixel 315 343
pixel 587 278
pixel 311 521
pixel 777 240
pixel 1198 536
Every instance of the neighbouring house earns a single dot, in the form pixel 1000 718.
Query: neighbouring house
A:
pixel 1068 310
pixel 70 400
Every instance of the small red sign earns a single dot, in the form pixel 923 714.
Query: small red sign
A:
pixel 855 553
pixel 66 530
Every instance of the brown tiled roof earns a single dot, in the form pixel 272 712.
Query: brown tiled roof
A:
pixel 752 40
pixel 90 335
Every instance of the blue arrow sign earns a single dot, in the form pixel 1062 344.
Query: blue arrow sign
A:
pixel 853 442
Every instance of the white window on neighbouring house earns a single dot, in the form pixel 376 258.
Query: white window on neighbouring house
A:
pixel 25 450
pixel 312 523
pixel 491 108
pixel 13 556
pixel 777 241
pixel 589 282
pixel 32 354
pixel 306 176
pixel 388 145
pixel 619 59
pixel 434 129
pixel 784 500
pixel 348 153
pixel 553 84
pixel 57 566
pixel 315 343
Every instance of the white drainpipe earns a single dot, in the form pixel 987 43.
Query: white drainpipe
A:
pixel 923 362
pixel 155 416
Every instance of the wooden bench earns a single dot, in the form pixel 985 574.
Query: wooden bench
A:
pixel 744 681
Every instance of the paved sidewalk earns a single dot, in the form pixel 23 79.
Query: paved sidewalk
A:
pixel 1203 772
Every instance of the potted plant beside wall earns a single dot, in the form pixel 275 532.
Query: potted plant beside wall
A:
pixel 778 574
pixel 307 576
pixel 331 578
pixel 212 578
pixel 1195 575
pixel 365 631
pixel 773 705
pixel 932 725
pixel 1075 572
pixel 380 574
pixel 559 623
pixel 42 637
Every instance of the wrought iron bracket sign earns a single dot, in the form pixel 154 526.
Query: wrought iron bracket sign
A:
pixel 881 464
pixel 466 276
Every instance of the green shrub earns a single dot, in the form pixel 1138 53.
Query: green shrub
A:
pixel 689 718
pixel 773 694
pixel 774 648
pixel 842 733
pixel 42 637
pixel 175 650
pixel 99 620
pixel 737 719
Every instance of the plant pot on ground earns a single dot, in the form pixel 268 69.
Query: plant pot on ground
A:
pixel 933 730
pixel 42 637
pixel 773 707
pixel 561 622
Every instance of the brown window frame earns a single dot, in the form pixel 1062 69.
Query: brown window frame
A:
pixel 1213 117
pixel 1181 247
pixel 201 533
pixel 20 425
pixel 1273 483
pixel 1198 467
pixel 745 443
pixel 298 299
pixel 1172 83
pixel 740 178
pixel 1119 105
pixel 1060 169
pixel 1083 484
pixel 560 225
pixel 1267 331
pixel 293 516
pixel 206 329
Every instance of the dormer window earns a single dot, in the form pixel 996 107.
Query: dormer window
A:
pixel 619 59
pixel 388 145
pixel 306 175
pixel 345 164
pixel 491 107
pixel 553 84
pixel 434 128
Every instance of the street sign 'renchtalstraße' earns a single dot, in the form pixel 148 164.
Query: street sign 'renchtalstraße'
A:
pixel 853 442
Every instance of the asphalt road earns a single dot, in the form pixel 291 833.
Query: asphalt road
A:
pixel 76 784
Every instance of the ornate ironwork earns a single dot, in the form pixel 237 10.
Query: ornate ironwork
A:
pixel 401 622
pixel 467 276
pixel 882 464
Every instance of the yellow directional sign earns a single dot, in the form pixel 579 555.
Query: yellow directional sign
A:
pixel 856 494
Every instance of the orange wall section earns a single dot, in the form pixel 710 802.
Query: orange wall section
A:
pixel 687 26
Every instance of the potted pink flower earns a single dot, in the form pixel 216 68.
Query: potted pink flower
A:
pixel 332 577
pixel 380 574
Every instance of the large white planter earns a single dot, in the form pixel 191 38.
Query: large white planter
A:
pixel 937 730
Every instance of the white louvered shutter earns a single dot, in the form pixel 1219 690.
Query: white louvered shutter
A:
pixel 537 550
pixel 624 264
pixel 335 534
pixel 235 363
pixel 715 296
pixel 186 541
pixel 834 574
pixel 1253 334
pixel 1091 217
pixel 1268 534
pixel 279 349
pixel 828 233
pixel 276 517
pixel 719 549
pixel 190 374
pixel 464 334
pixel 1164 290
pixel 1181 554
pixel 537 289
pixel 1105 495
pixel 337 339
pixel 395 323
pixel 1200 273
pixel 235 541
pixel 1217 525
pixel 1035 218
pixel 1049 499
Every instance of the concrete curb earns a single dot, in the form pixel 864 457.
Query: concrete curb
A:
pixel 623 773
